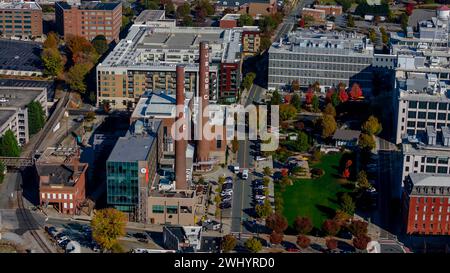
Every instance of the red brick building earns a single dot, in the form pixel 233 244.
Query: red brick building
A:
pixel 330 10
pixel 62 185
pixel 89 19
pixel 426 204
pixel 20 19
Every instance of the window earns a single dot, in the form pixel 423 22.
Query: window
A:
pixel 442 116
pixel 407 158
pixel 442 106
pixel 431 115
pixel 431 159
pixel 158 209
pixel 411 124
pixel 430 169
pixel 70 196
pixel 71 205
pixel 48 196
pixel 442 170
pixel 172 209
pixel 65 196
pixel 65 205
pixel 59 196
pixel 432 105
pixel 54 196
pixel 412 114
pixel 43 195
pixel 422 105
pixel 422 115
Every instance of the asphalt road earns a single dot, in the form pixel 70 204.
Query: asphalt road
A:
pixel 242 189
pixel 291 19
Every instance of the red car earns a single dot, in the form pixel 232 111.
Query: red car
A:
pixel 293 250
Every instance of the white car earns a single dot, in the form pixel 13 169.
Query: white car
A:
pixel 62 239
pixel 260 197
pixel 236 169
pixel 260 158
pixel 244 174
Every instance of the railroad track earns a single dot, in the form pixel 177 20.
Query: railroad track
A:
pixel 26 217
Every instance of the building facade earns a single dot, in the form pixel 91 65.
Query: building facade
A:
pixel 62 186
pixel 326 57
pixel 14 110
pixel 426 204
pixel 23 19
pixel 131 169
pixel 89 19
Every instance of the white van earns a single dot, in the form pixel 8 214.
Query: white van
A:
pixel 236 169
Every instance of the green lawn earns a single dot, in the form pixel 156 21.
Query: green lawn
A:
pixel 316 198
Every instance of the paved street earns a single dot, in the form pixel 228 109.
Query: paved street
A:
pixel 291 19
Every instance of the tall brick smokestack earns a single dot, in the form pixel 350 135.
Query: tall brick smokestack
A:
pixel 203 81
pixel 180 144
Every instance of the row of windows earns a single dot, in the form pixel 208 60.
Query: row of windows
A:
pixel 431 226
pixel 320 58
pixel 158 209
pixel 64 196
pixel 428 105
pixel 431 217
pixel 430 169
pixel 316 65
pixel 433 200
pixel 429 115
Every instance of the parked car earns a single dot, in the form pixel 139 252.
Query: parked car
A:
pixel 227 186
pixel 260 197
pixel 259 187
pixel 236 169
pixel 244 174
pixel 62 239
pixel 260 158
pixel 227 198
pixel 226 193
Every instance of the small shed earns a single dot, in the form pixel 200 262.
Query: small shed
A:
pixel 346 138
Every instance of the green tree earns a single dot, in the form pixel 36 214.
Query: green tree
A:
pixel 267 24
pixel 335 99
pixel 302 142
pixel 52 41
pixel 404 21
pixel 371 126
pixel 253 245
pixel 328 126
pixel 362 182
pixel 384 35
pixel 107 226
pixel 76 77
pixel 366 142
pixel 276 98
pixel 53 62
pixel 315 103
pixel 228 243
pixel 267 171
pixel 264 43
pixel 248 80
pixel 347 204
pixel 183 11
pixel 329 110
pixel 287 112
pixel 187 21
pixel 125 21
pixel 8 145
pixel 358 228
pixel 245 20
pixel 350 21
pixel 169 7
pixel 264 210
pixel 150 4
pixel 100 44
pixel 2 172
pixel 296 102
pixel 36 117
pixel 372 35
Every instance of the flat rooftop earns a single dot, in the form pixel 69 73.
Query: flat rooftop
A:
pixel 17 97
pixel 20 55
pixel 431 180
pixel 49 85
pixel 150 15
pixel 20 6
pixel 5 115
pixel 87 5
pixel 132 148
pixel 186 40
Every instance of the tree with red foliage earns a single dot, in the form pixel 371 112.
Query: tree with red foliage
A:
pixel 356 92
pixel 329 95
pixel 409 9
pixel 276 238
pixel 303 225
pixel 331 243
pixel 361 242
pixel 331 227
pixel 358 228
pixel 309 96
pixel 301 23
pixel 287 99
pixel 277 222
pixel 343 96
pixel 284 172
pixel 346 173
pixel 303 241
pixel 348 163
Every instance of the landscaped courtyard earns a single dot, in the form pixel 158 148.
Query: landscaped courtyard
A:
pixel 315 198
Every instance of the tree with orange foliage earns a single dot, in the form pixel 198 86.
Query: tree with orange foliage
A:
pixel 343 96
pixel 348 163
pixel 346 173
pixel 309 96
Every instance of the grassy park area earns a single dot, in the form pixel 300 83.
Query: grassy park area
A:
pixel 315 198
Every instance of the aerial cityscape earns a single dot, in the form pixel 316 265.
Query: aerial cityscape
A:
pixel 216 126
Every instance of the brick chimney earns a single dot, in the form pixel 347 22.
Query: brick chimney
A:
pixel 180 144
pixel 203 144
